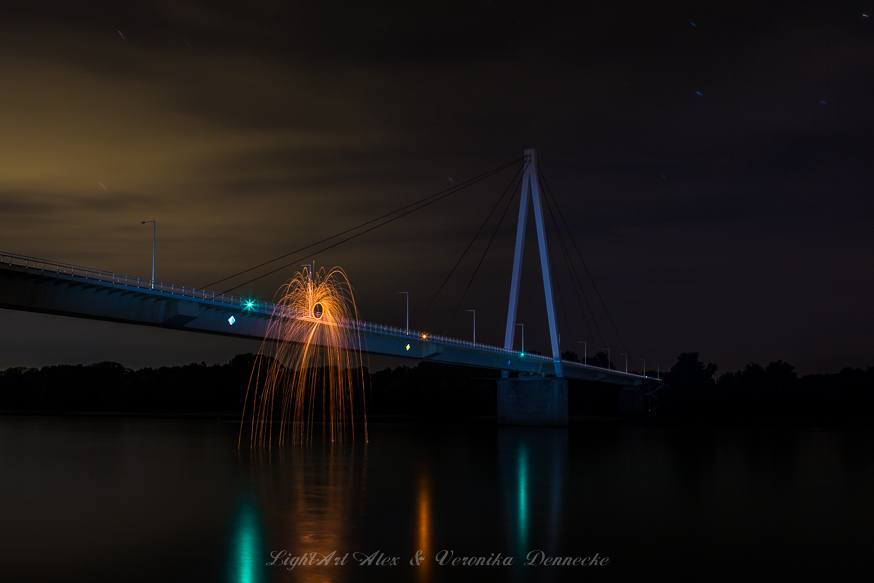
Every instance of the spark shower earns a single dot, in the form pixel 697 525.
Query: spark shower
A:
pixel 310 363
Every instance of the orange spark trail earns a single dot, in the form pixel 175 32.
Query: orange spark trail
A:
pixel 310 361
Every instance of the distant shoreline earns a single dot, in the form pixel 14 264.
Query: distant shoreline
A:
pixel 575 421
pixel 758 397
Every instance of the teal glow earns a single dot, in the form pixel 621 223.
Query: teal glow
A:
pixel 249 304
pixel 522 470
pixel 247 552
pixel 522 354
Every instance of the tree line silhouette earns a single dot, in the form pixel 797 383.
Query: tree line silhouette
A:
pixel 425 390
pixel 774 391
pixel 691 390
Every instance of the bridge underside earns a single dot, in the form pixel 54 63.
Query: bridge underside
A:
pixel 35 290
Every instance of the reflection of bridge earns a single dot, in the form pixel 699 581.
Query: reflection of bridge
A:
pixel 39 285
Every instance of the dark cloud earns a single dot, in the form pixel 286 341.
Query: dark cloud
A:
pixel 716 176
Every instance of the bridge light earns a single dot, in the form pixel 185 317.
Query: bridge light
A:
pixel 522 354
pixel 424 336
pixel 408 346
pixel 249 304
pixel 231 320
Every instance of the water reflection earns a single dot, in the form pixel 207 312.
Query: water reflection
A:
pixel 532 471
pixel 522 488
pixel 247 548
pixel 424 525
pixel 662 503
pixel 313 496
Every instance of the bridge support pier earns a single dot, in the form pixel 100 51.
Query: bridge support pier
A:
pixel 533 401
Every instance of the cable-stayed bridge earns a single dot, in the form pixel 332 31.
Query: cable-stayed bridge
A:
pixel 50 287
pixel 536 395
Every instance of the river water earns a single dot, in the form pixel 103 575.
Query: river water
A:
pixel 113 499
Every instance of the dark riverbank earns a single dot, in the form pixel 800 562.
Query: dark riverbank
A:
pixel 772 396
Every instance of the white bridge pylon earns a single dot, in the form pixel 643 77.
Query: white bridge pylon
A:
pixel 531 189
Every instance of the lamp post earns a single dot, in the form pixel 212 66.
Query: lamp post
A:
pixel 523 337
pixel 583 342
pixel 644 366
pixel 154 236
pixel 408 309
pixel 657 372
pixel 626 361
pixel 474 324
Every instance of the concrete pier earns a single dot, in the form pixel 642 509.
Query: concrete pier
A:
pixel 533 401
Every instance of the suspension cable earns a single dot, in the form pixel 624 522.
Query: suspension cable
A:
pixel 457 263
pixel 495 232
pixel 452 190
pixel 575 279
pixel 421 204
pixel 583 261
pixel 552 268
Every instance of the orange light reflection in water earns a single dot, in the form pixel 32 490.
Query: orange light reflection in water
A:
pixel 311 356
pixel 321 493
pixel 424 535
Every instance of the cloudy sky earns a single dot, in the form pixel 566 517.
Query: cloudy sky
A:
pixel 714 161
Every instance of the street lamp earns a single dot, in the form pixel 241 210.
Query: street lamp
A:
pixel 474 324
pixel 626 361
pixel 523 337
pixel 583 342
pixel 408 308
pixel 154 235
pixel 644 366
pixel 657 372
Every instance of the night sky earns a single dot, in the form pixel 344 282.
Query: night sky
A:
pixel 714 160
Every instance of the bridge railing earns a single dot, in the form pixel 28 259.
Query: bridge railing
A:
pixel 420 335
pixel 238 302
pixel 120 279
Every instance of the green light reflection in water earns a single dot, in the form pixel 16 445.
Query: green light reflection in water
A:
pixel 247 546
pixel 522 469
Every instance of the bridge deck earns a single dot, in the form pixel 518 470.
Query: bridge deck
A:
pixel 49 287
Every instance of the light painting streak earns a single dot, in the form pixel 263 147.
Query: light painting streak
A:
pixel 311 354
